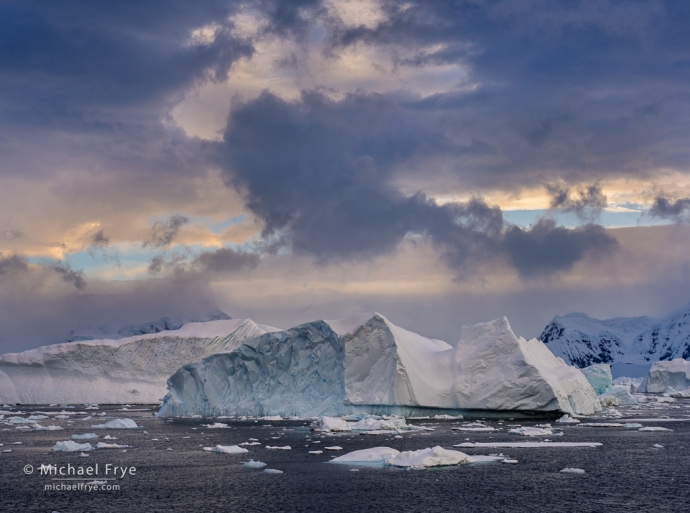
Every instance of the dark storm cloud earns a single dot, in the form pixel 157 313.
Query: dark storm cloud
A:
pixel 225 260
pixel 12 264
pixel 320 174
pixel 163 233
pixel 573 90
pixel 587 202
pixel 678 210
pixel 69 275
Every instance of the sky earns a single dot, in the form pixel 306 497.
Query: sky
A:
pixel 441 162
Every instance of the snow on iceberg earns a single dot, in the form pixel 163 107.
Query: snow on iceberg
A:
pixel 674 374
pixel 377 367
pixel 330 424
pixel 128 370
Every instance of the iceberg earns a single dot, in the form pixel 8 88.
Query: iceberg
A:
pixel 373 366
pixel 375 455
pixel 117 424
pixel 432 457
pixel 128 370
pixel 674 374
pixel 599 376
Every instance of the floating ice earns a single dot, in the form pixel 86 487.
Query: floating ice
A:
pixel 570 470
pixel 567 419
pixel 654 428
pixel 118 424
pixel 432 457
pixel 663 374
pixel 527 445
pixel 334 448
pixel 658 446
pixel 103 445
pixel 599 376
pixel 70 446
pixel 216 425
pixel 310 370
pixel 283 448
pixel 377 455
pixel 226 449
pixel 509 461
pixel 315 452
pixel 532 431
pixel 38 427
pixel 251 464
pixel 272 471
pixel 133 369
pixel 85 436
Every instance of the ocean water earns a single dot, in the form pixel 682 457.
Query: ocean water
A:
pixel 626 474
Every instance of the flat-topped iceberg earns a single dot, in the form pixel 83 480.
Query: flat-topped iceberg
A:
pixel 674 374
pixel 128 370
pixel 334 368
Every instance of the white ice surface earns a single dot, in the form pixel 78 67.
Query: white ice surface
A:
pixel 84 436
pixel 527 445
pixel 117 424
pixel 674 373
pixel 226 449
pixel 128 370
pixel 251 464
pixel 431 457
pixel 70 446
pixel 373 455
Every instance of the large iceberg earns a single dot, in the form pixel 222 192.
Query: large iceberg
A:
pixel 370 365
pixel 674 374
pixel 128 370
pixel 599 376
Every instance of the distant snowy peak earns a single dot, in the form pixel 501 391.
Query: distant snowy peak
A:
pixel 583 341
pixel 162 324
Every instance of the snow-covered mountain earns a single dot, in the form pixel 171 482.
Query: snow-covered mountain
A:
pixel 162 324
pixel 368 364
pixel 129 370
pixel 582 340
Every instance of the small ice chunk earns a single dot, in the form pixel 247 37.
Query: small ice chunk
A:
pixel 85 436
pixel 226 449
pixel 532 431
pixel 117 424
pixel 315 452
pixel 83 454
pixel 251 464
pixel 330 424
pixel 509 461
pixel 103 445
pixel 108 437
pixel 334 448
pixel 567 419
pixel 570 470
pixel 654 428
pixel 658 446
pixel 70 446
pixel 272 471
pixel 284 448
pixel 216 425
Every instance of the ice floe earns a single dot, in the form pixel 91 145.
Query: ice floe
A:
pixel 117 424
pixel 71 446
pixel 226 449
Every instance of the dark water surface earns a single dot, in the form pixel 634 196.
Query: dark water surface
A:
pixel 626 474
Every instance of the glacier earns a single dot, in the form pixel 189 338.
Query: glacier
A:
pixel 368 364
pixel 583 341
pixel 128 370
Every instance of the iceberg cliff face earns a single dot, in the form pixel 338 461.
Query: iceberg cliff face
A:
pixel 674 374
pixel 376 366
pixel 293 372
pixel 128 370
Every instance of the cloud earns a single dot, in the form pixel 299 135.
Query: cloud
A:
pixel 69 275
pixel 225 260
pixel 321 176
pixel 163 233
pixel 587 202
pixel 12 264
pixel 678 210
